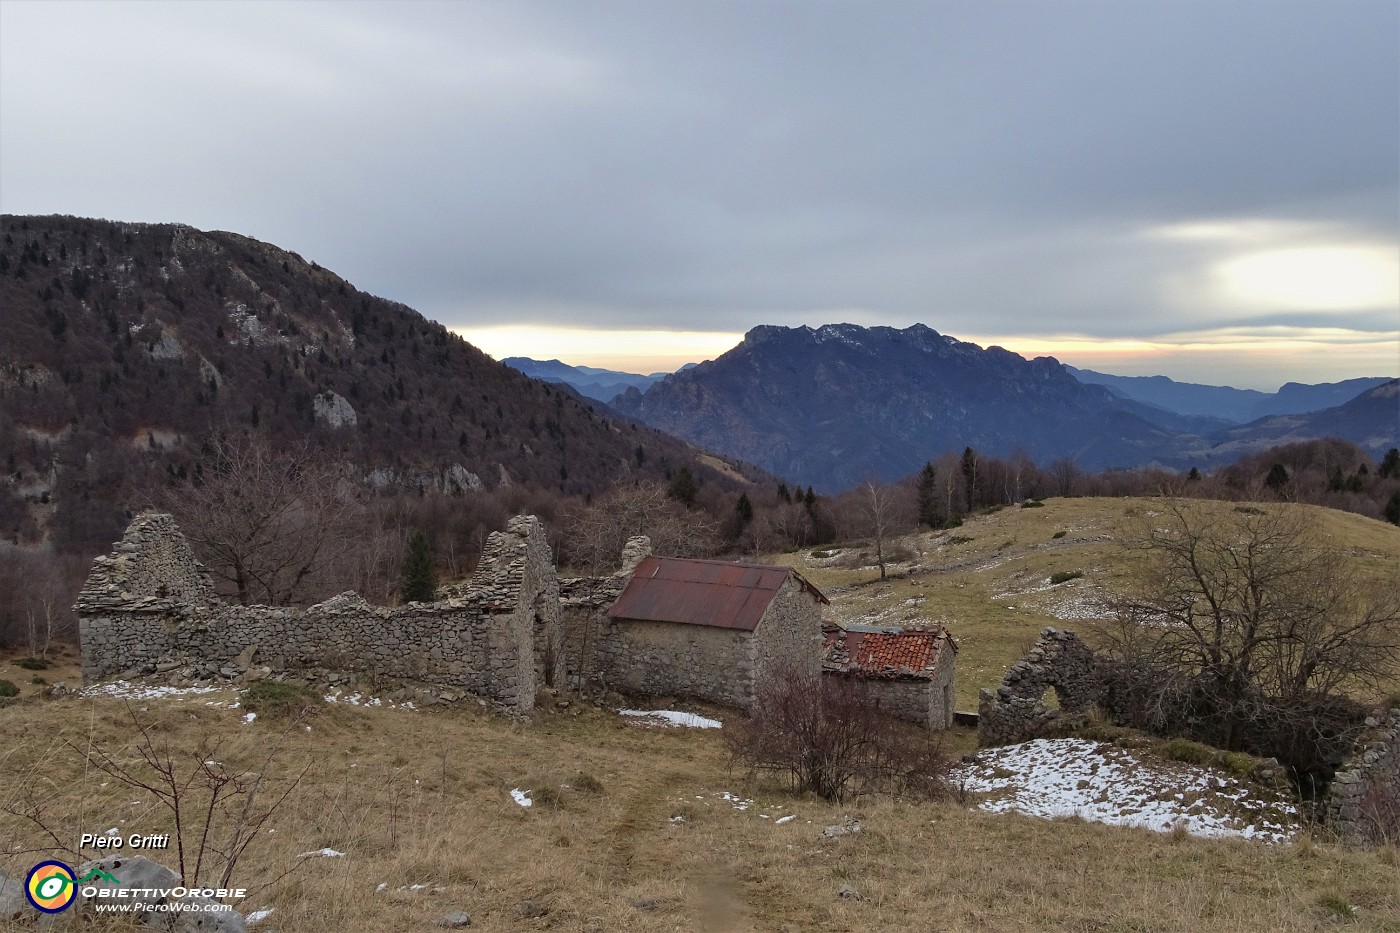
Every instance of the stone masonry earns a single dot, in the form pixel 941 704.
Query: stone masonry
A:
pixel 150 604
pixel 1016 711
pixel 1365 794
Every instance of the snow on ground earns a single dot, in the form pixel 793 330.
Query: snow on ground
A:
pixel 322 853
pixel 765 811
pixel 1051 778
pixel 362 699
pixel 521 797
pixel 126 690
pixel 259 915
pixel 670 717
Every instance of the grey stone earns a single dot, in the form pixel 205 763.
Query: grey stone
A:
pixel 454 920
pixel 12 902
pixel 529 910
pixel 848 892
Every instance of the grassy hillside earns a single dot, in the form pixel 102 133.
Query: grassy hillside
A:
pixel 989 580
pixel 423 798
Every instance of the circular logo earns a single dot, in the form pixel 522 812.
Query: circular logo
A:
pixel 50 887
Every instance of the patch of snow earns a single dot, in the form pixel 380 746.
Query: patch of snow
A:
pixel 261 914
pixel 1051 778
pixel 128 691
pixel 249 717
pixel 521 797
pixel 322 853
pixel 784 819
pixel 670 717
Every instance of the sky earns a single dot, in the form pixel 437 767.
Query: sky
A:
pixel 1206 190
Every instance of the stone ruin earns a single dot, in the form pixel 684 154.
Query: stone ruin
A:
pixel 1363 801
pixel 149 607
pixel 1017 712
pixel 1365 794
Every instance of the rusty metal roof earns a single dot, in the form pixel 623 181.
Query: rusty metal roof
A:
pixel 703 592
pixel 893 653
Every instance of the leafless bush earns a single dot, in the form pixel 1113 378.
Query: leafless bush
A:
pixel 829 735
pixel 1380 812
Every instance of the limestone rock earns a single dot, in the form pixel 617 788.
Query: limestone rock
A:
pixel 333 410
pixel 454 920
pixel 12 903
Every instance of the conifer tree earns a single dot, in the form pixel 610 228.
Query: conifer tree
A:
pixel 418 583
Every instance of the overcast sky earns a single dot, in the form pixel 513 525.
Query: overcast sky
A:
pixel 1208 190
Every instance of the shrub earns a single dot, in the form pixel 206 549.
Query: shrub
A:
pixel 1185 750
pixel 823 553
pixel 33 664
pixel 959 539
pixel 271 698
pixel 1064 576
pixel 8 689
pixel 828 735
pixel 1058 534
pixel 1032 504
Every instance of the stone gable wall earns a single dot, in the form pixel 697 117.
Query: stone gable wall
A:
pixel 789 634
pixel 149 604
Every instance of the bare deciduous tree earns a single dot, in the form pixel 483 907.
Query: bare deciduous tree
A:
pixel 595 534
pixel 1250 623
pixel 881 513
pixel 268 522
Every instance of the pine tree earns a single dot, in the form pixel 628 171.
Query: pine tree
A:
pixel 683 487
pixel 745 508
pixel 418 583
pixel 1277 478
pixel 928 496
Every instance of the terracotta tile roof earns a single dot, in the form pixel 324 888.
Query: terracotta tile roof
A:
pixel 892 653
pixel 703 592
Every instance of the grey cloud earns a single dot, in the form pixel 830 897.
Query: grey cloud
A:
pixel 983 167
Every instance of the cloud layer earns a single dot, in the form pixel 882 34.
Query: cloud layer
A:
pixel 1101 170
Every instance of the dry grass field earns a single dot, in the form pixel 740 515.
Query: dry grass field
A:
pixel 630 827
pixel 989 580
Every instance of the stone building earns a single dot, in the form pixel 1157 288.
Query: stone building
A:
pixel 908 669
pixel 696 628
pixel 149 606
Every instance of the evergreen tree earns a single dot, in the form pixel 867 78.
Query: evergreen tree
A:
pixel 418 583
pixel 683 487
pixel 1277 478
pixel 1194 475
pixel 1392 508
pixel 969 471
pixel 783 493
pixel 745 508
pixel 1390 466
pixel 928 496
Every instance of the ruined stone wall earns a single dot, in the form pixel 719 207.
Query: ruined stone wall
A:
pixel 1365 794
pixel 1016 711
pixel 148 606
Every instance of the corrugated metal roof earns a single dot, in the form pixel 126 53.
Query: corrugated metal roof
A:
pixel 890 653
pixel 702 592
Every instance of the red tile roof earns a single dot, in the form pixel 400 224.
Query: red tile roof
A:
pixel 703 592
pixel 893 653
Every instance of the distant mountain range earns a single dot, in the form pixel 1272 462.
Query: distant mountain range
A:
pixel 589 381
pixel 832 405
pixel 1225 402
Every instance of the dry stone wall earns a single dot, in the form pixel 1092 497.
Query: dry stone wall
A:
pixel 1363 805
pixel 1016 711
pixel 149 606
